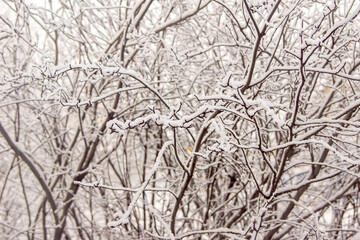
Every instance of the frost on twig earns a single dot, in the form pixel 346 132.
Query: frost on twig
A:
pixel 158 119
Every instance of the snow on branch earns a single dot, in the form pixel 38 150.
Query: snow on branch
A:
pixel 160 120
pixel 98 185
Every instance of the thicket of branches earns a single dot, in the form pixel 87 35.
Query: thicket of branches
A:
pixel 167 119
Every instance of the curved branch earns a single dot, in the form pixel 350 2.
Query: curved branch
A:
pixel 32 167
